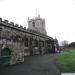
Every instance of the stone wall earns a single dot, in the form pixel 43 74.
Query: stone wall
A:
pixel 22 41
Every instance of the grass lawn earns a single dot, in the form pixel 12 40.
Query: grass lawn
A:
pixel 66 60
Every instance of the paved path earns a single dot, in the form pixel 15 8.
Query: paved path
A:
pixel 33 65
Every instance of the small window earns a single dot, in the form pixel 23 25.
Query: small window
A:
pixel 33 23
pixel 0 29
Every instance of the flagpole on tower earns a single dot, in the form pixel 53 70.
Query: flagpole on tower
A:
pixel 37 13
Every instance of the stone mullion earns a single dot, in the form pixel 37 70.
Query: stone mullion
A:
pixel 53 46
pixel 33 43
pixel 30 46
pixel 39 45
pixel 45 47
pixel 28 42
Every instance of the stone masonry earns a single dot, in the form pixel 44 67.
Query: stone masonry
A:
pixel 22 41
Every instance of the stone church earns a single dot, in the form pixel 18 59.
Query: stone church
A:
pixel 16 41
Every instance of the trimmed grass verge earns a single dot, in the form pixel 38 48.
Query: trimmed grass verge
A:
pixel 66 60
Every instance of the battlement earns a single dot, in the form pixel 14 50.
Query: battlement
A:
pixel 34 31
pixel 16 25
pixel 11 24
pixel 20 27
pixel 0 19
pixel 5 21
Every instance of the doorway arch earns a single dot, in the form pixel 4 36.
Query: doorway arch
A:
pixel 5 56
pixel 5 52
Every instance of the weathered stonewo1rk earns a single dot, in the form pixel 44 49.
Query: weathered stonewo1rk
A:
pixel 17 41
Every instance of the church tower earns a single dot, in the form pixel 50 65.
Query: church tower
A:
pixel 37 24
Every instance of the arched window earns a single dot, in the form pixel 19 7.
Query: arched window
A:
pixel 26 42
pixel 0 29
pixel 33 23
pixel 5 52
pixel 42 43
pixel 36 43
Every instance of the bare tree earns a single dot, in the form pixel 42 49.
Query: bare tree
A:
pixel 64 43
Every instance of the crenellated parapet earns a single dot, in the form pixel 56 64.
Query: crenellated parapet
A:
pixel 0 19
pixel 11 24
pixel 6 21
pixel 16 25
pixel 38 33
pixel 21 28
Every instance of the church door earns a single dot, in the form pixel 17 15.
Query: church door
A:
pixel 5 57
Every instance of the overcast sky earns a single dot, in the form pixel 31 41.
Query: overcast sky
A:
pixel 59 15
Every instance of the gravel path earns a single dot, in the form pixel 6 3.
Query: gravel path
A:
pixel 33 65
